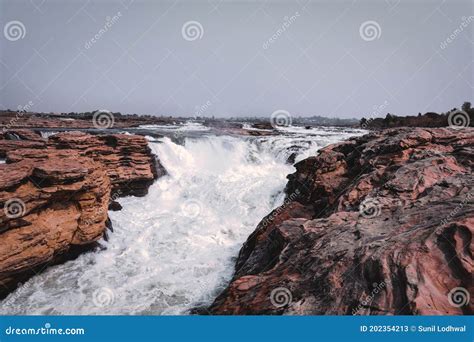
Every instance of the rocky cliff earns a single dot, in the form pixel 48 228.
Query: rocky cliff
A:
pixel 380 225
pixel 55 194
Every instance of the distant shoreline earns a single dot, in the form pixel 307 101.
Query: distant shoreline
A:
pixel 103 119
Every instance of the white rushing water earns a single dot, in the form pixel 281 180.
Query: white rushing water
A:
pixel 175 248
pixel 187 126
pixel 48 134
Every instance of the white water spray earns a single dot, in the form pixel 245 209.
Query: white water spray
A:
pixel 175 248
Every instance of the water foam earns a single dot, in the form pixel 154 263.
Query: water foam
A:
pixel 176 247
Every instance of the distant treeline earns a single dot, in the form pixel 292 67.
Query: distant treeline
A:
pixel 455 117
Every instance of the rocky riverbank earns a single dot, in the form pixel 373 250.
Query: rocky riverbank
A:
pixel 380 225
pixel 55 194
pixel 100 119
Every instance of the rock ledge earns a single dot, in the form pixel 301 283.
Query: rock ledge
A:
pixel 380 225
pixel 55 194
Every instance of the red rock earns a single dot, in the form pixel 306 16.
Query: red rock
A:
pixel 58 192
pixel 127 158
pixel 21 134
pixel 20 120
pixel 403 255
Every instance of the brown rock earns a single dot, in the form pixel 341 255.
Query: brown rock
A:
pixel 13 120
pixel 48 206
pixel 128 160
pixel 55 194
pixel 382 224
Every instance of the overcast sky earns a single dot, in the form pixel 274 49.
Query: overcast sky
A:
pixel 331 58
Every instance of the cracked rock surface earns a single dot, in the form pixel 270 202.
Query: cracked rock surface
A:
pixel 382 224
pixel 55 194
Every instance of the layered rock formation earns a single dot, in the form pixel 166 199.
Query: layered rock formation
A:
pixel 454 118
pixel 104 120
pixel 55 193
pixel 381 224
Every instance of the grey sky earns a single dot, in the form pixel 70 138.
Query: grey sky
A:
pixel 319 65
